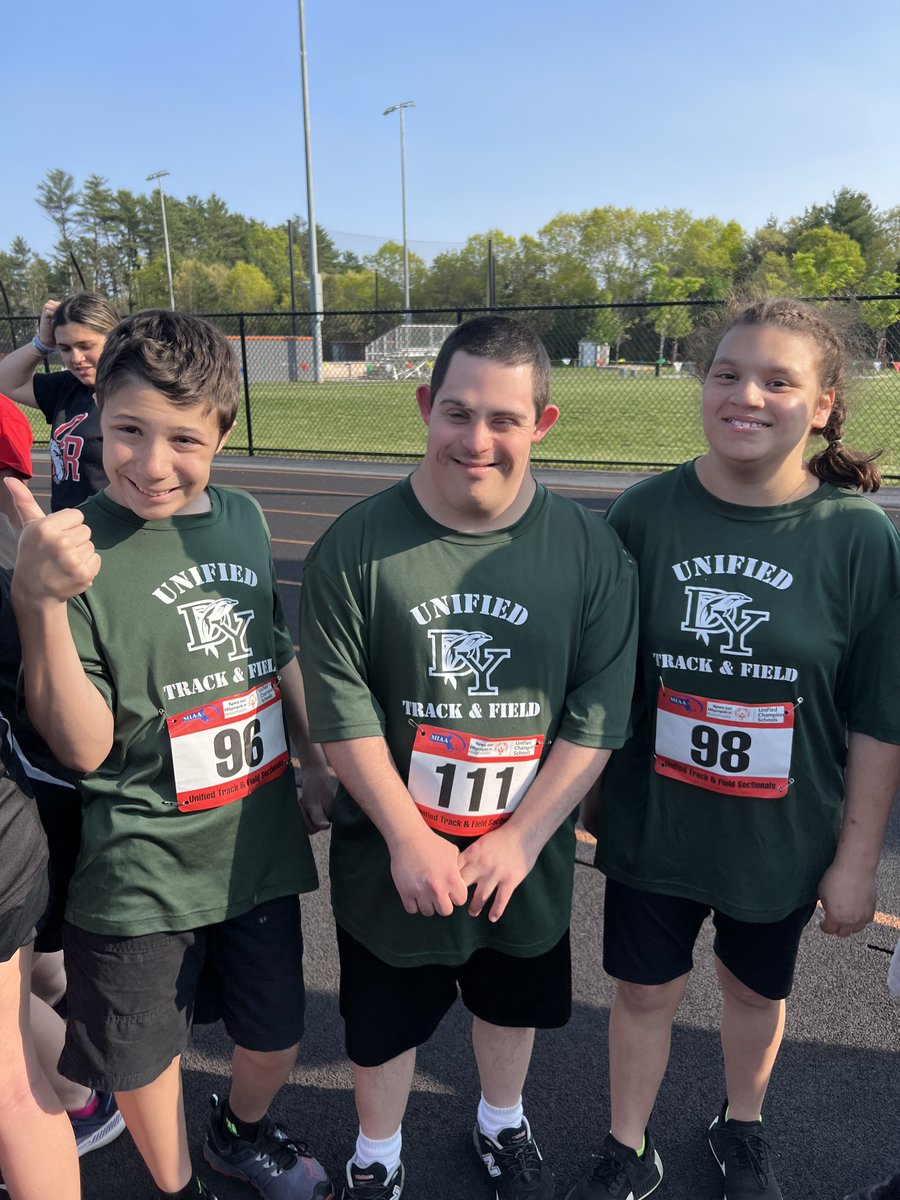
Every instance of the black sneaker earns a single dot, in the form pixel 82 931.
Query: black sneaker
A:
pixel 279 1167
pixel 620 1173
pixel 745 1158
pixel 371 1183
pixel 514 1164
pixel 888 1189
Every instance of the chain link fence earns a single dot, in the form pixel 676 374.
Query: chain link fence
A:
pixel 343 385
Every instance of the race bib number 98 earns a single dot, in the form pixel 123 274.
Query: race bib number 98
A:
pixel 223 751
pixel 733 749
pixel 467 785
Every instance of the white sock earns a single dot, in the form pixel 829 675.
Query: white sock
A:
pixel 383 1150
pixel 492 1120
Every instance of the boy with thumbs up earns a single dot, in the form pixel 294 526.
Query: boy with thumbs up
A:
pixel 158 665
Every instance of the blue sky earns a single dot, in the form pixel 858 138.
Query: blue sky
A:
pixel 523 109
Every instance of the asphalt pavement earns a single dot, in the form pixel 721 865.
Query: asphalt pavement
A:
pixel 833 1110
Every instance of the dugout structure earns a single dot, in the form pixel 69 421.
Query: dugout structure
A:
pixel 406 352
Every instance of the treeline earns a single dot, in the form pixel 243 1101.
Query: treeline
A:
pixel 111 241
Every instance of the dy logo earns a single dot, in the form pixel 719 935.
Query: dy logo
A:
pixel 214 623
pixel 456 654
pixel 712 612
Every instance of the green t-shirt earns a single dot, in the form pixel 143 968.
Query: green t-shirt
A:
pixel 743 607
pixel 878 654
pixel 422 635
pixel 184 621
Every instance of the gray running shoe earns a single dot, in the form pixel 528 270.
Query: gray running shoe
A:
pixel 278 1166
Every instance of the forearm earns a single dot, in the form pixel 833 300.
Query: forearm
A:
pixel 568 772
pixel 424 865
pixel 17 373
pixel 870 783
pixel 366 769
pixel 293 697
pixel 64 706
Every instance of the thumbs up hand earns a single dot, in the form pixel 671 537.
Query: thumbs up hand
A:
pixel 56 558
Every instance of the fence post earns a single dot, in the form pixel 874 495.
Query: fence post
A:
pixel 246 384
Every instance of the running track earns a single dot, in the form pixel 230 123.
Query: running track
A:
pixel 833 1110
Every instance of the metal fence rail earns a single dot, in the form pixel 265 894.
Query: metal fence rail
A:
pixel 628 394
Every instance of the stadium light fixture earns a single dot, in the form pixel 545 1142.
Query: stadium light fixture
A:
pixel 159 176
pixel 400 109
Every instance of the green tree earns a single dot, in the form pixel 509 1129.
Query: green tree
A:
pixel 246 289
pixel 826 262
pixel 879 315
pixel 25 276
pixel 675 322
pixel 388 262
pixel 199 287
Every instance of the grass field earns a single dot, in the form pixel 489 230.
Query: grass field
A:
pixel 605 420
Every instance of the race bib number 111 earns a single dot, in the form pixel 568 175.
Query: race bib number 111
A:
pixel 466 785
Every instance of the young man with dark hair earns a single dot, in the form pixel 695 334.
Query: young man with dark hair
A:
pixel 468 650
pixel 158 666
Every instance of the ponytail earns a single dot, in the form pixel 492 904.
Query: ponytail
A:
pixel 837 464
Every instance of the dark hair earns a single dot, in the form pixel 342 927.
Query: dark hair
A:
pixel 185 358
pixel 86 308
pixel 836 464
pixel 504 340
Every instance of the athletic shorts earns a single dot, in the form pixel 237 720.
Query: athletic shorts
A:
pixel 649 939
pixel 388 1010
pixel 132 1001
pixel 19 925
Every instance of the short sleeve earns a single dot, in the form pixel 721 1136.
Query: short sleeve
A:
pixel 598 702
pixel 334 658
pixel 873 695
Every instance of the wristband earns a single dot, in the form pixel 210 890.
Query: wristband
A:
pixel 39 346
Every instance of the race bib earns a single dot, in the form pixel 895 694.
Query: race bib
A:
pixel 466 785
pixel 223 751
pixel 734 749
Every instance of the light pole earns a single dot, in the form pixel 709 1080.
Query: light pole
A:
pixel 399 108
pixel 316 302
pixel 159 176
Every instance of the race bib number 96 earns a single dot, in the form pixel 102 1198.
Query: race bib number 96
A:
pixel 733 749
pixel 223 751
pixel 467 785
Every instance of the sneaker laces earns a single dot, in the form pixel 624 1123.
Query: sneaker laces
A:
pixel 752 1150
pixel 276 1144
pixel 522 1161
pixel 609 1169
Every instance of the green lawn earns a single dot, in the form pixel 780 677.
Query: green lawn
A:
pixel 605 419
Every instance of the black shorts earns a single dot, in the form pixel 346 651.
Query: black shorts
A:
pixel 132 1000
pixel 388 1010
pixel 19 925
pixel 649 938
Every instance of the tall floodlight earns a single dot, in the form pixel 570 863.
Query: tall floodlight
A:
pixel 407 316
pixel 315 279
pixel 159 176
